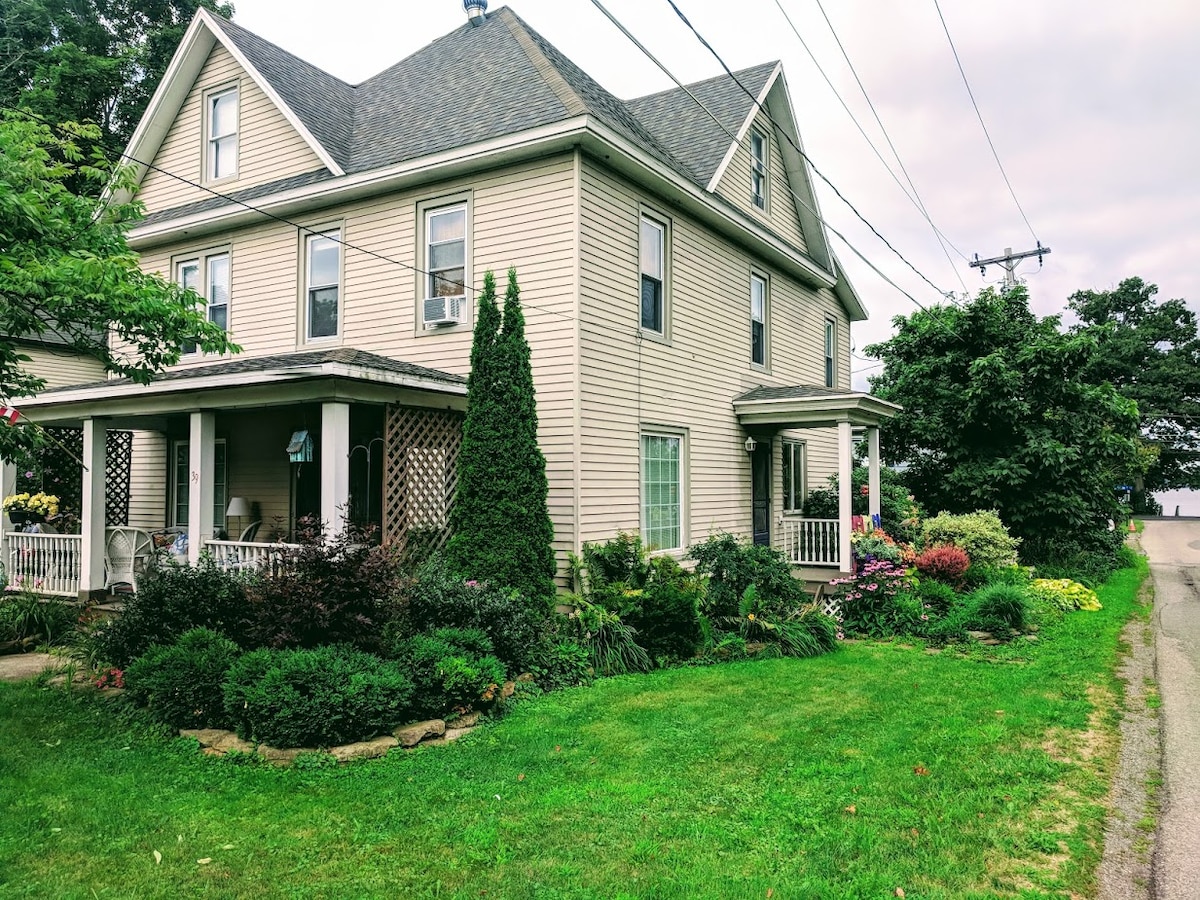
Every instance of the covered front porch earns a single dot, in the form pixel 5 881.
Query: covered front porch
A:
pixel 819 544
pixel 232 460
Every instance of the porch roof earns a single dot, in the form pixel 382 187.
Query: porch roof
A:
pixel 340 373
pixel 808 406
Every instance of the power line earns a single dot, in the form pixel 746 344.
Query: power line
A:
pixel 780 131
pixel 982 125
pixel 942 240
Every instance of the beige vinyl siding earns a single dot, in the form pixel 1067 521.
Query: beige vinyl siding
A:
pixel 60 367
pixel 523 216
pixel 269 148
pixel 734 186
pixel 148 481
pixel 626 383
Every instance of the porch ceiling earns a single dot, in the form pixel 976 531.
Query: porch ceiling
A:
pixel 327 375
pixel 809 406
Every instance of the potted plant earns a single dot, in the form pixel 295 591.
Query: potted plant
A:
pixel 26 508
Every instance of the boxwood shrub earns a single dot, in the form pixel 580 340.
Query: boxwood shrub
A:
pixel 451 668
pixel 180 683
pixel 317 697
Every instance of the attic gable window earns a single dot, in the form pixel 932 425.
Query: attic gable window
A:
pixel 758 170
pixel 222 132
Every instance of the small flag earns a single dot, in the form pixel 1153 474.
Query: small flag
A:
pixel 10 414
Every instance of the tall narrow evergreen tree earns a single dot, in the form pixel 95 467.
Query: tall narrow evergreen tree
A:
pixel 501 523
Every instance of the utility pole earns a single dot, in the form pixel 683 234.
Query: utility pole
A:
pixel 1009 262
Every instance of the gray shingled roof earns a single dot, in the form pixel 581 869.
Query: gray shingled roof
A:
pixel 792 392
pixel 687 131
pixel 245 196
pixel 485 81
pixel 309 358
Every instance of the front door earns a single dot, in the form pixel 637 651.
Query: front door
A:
pixel 760 492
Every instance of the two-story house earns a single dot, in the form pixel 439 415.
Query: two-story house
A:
pixel 689 325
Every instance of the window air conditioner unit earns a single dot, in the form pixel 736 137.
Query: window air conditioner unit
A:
pixel 443 311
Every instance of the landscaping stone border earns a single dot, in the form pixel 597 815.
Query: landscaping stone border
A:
pixel 434 732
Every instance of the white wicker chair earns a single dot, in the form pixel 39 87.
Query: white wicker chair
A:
pixel 126 551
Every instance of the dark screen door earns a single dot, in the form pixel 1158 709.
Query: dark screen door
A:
pixel 760 492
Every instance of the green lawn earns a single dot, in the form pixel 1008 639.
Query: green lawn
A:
pixel 731 781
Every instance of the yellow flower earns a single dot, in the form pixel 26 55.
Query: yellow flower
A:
pixel 750 617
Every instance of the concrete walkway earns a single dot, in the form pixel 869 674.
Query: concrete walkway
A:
pixel 1173 548
pixel 25 666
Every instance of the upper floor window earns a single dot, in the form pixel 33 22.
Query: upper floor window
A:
pixel 208 275
pixel 445 265
pixel 323 255
pixel 222 134
pixel 758 320
pixel 758 170
pixel 654 275
pixel 830 353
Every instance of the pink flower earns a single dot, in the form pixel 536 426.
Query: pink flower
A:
pixel 472 583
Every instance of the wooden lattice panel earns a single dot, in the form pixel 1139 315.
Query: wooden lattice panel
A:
pixel 420 476
pixel 117 476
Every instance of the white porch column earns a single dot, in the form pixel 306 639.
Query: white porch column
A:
pixel 873 469
pixel 91 518
pixel 335 466
pixel 845 493
pixel 202 454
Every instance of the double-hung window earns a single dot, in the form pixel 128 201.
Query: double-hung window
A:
pixel 181 465
pixel 793 476
pixel 323 279
pixel 445 265
pixel 222 143
pixel 758 320
pixel 654 275
pixel 208 275
pixel 662 491
pixel 830 353
pixel 758 170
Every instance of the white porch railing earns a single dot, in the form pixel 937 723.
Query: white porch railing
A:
pixel 44 563
pixel 812 542
pixel 241 556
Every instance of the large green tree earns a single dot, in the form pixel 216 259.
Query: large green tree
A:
pixel 501 524
pixel 998 414
pixel 93 61
pixel 1149 350
pixel 66 271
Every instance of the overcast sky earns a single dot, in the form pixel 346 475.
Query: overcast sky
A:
pixel 1093 106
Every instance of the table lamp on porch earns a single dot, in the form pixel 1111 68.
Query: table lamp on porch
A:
pixel 239 507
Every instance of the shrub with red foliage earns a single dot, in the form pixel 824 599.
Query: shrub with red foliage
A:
pixel 945 563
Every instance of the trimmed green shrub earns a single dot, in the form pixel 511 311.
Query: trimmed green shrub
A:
pixel 981 534
pixel 511 622
pixel 181 683
pixel 1064 594
pixel 502 531
pixel 451 668
pixel 733 565
pixel 317 697
pixel 170 601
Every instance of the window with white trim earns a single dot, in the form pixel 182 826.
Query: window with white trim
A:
pixel 323 280
pixel 444 301
pixel 653 264
pixel 758 170
pixel 222 134
pixel 758 320
pixel 662 471
pixel 794 476
pixel 830 353
pixel 208 274
pixel 181 465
